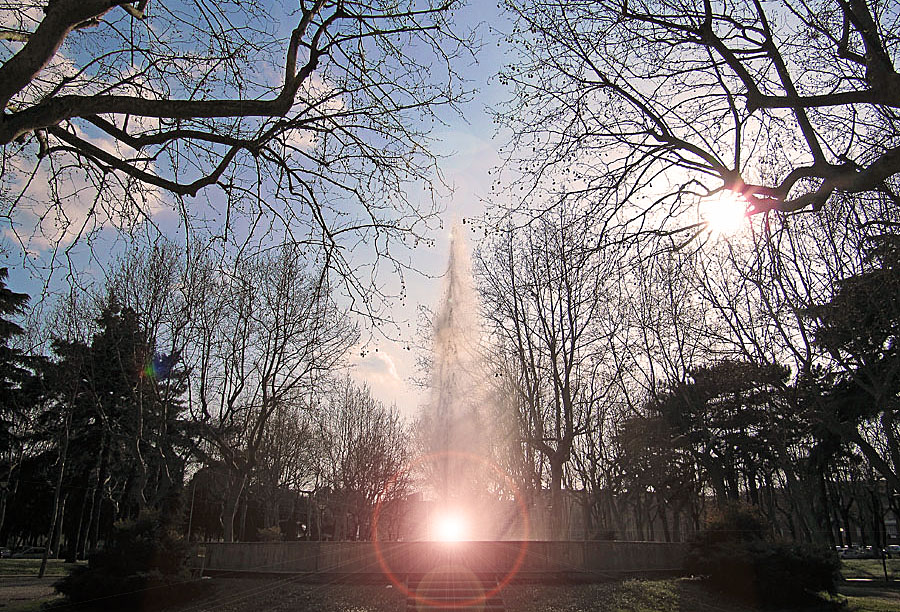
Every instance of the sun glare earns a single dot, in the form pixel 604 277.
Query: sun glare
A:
pixel 450 528
pixel 725 214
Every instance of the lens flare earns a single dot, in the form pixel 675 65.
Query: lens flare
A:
pixel 725 214
pixel 450 528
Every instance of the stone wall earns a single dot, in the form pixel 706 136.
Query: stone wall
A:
pixel 403 558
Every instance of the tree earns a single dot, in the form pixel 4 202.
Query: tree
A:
pixel 638 108
pixel 546 300
pixel 117 424
pixel 313 117
pixel 659 477
pixel 364 459
pixel 266 329
pixel 15 371
pixel 859 328
pixel 724 417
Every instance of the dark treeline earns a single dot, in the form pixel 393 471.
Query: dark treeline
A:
pixel 632 395
pixel 209 394
pixel 661 362
pixel 762 370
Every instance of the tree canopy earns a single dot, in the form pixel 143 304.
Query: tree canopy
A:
pixel 251 120
pixel 639 108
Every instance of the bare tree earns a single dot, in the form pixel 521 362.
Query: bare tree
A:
pixel 641 107
pixel 546 300
pixel 267 327
pixel 365 458
pixel 264 119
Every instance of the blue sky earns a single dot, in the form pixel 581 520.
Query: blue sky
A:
pixel 469 146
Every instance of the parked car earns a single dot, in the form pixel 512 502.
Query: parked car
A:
pixel 5 552
pixel 892 551
pixel 859 552
pixel 31 552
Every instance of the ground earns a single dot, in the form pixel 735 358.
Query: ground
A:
pixel 21 591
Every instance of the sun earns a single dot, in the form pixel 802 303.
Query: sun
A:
pixel 725 214
pixel 450 528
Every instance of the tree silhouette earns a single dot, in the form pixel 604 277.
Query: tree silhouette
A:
pixel 15 372
pixel 312 117
pixel 859 327
pixel 639 108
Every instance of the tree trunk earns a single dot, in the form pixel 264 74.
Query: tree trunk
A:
pixel 57 536
pixel 97 502
pixel 4 493
pixel 664 519
pixel 79 532
pixel 556 502
pixel 54 509
pixel 236 484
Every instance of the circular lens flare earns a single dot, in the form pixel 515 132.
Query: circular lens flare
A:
pixel 725 214
pixel 450 528
pixel 386 554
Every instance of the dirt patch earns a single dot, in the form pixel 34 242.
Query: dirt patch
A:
pixel 288 595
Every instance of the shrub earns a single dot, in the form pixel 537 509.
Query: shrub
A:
pixel 144 565
pixel 738 558
pixel 269 534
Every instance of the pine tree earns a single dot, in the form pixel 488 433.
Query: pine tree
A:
pixel 14 371
pixel 15 397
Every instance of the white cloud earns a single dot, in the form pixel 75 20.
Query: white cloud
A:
pixel 383 373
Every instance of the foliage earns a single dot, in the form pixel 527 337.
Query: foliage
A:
pixel 14 365
pixel 736 555
pixel 113 403
pixel 859 330
pixel 145 563
pixel 269 534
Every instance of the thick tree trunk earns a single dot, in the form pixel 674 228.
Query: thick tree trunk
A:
pixel 557 514
pixel 231 505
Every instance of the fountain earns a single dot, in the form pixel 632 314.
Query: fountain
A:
pixel 479 538
pixel 457 384
pixel 463 480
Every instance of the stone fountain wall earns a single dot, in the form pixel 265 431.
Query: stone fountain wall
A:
pixel 525 560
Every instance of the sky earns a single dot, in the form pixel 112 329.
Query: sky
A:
pixel 469 146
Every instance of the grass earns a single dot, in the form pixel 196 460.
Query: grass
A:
pixel 283 595
pixel 870 568
pixel 20 589
pixel 30 567
pixel 34 605
pixel 871 604
pixel 675 595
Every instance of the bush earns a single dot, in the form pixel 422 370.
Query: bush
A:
pixel 738 558
pixel 269 534
pixel 144 565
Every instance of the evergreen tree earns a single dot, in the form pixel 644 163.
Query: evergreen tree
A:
pixel 14 370
pixel 15 396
